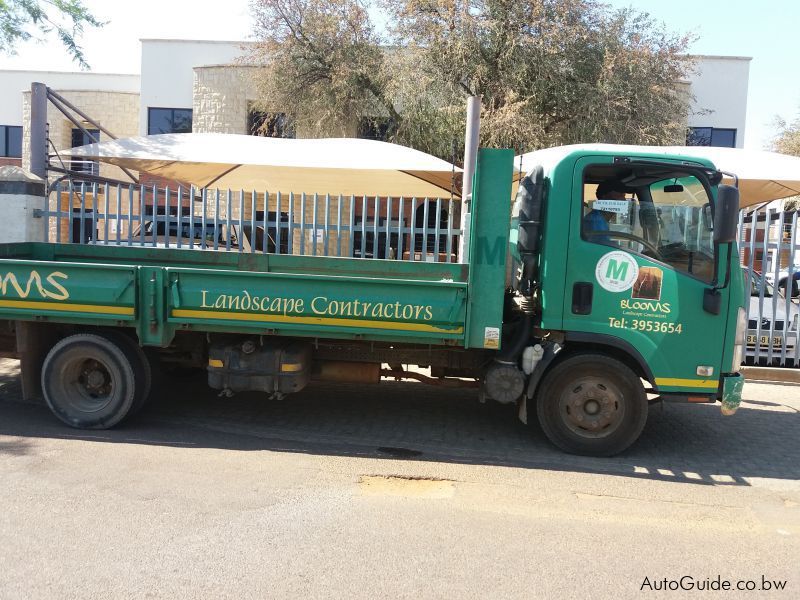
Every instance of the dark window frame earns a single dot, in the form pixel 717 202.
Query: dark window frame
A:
pixel 90 167
pixel 172 110
pixel 5 141
pixel 695 138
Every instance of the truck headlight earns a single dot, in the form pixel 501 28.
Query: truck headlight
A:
pixel 738 348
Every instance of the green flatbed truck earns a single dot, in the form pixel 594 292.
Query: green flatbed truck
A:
pixel 581 325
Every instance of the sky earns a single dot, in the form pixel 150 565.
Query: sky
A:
pixel 764 30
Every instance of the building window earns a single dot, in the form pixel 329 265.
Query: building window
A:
pixel 79 138
pixel 711 136
pixel 169 120
pixel 269 124
pixel 374 128
pixel 10 141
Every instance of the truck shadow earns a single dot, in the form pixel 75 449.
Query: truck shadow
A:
pixel 682 443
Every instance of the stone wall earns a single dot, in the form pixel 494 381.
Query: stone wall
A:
pixel 220 98
pixel 116 111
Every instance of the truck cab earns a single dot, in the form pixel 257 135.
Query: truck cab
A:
pixel 623 252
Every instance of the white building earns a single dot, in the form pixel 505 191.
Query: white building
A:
pixel 719 87
pixel 194 85
pixel 95 91
pixel 169 74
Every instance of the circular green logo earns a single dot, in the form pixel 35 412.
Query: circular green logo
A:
pixel 616 271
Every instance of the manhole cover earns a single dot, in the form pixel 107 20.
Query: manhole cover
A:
pixel 399 452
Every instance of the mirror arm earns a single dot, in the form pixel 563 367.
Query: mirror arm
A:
pixel 712 301
pixel 715 283
pixel 734 177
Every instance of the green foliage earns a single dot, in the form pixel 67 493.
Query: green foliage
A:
pixel 788 139
pixel 548 71
pixel 323 64
pixel 66 18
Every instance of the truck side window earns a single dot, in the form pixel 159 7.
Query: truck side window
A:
pixel 667 220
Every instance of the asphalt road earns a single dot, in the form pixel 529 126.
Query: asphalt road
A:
pixel 394 491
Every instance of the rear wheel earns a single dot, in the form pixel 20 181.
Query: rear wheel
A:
pixel 89 381
pixel 142 367
pixel 592 404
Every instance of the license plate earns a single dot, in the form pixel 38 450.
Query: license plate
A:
pixel 764 340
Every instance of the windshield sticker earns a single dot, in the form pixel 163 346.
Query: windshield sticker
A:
pixel 648 284
pixel 616 271
pixel 620 207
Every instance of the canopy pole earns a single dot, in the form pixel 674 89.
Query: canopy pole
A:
pixel 38 130
pixel 471 139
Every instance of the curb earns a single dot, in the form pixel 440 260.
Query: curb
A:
pixel 782 375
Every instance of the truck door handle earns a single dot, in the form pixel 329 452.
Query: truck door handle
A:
pixel 582 292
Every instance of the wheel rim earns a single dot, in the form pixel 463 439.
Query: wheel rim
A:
pixel 88 385
pixel 592 407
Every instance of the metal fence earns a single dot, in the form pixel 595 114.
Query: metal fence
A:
pixel 769 248
pixel 412 229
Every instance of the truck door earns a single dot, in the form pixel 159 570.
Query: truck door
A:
pixel 638 263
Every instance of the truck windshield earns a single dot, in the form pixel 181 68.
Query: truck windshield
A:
pixel 668 220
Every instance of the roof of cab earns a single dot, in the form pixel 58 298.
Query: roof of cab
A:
pixel 549 157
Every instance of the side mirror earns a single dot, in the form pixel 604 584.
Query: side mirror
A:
pixel 726 215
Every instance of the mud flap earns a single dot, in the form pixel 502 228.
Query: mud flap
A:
pixel 732 386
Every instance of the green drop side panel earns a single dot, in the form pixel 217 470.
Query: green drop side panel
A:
pixel 67 292
pixel 302 305
pixel 491 217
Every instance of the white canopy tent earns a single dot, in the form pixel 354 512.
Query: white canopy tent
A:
pixel 368 167
pixel 335 165
pixel 763 176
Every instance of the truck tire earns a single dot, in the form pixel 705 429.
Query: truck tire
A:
pixel 591 404
pixel 142 368
pixel 88 381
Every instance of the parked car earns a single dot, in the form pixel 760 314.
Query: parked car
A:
pixel 192 235
pixel 765 329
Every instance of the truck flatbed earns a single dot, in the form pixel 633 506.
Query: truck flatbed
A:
pixel 159 291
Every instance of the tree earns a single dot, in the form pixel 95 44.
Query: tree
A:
pixel 548 71
pixel 324 64
pixel 552 71
pixel 64 17
pixel 788 139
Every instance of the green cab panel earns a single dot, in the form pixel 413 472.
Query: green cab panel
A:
pixel 639 303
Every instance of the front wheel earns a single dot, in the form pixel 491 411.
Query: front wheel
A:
pixel 591 404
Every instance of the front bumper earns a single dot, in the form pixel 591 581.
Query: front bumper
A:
pixel 731 388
